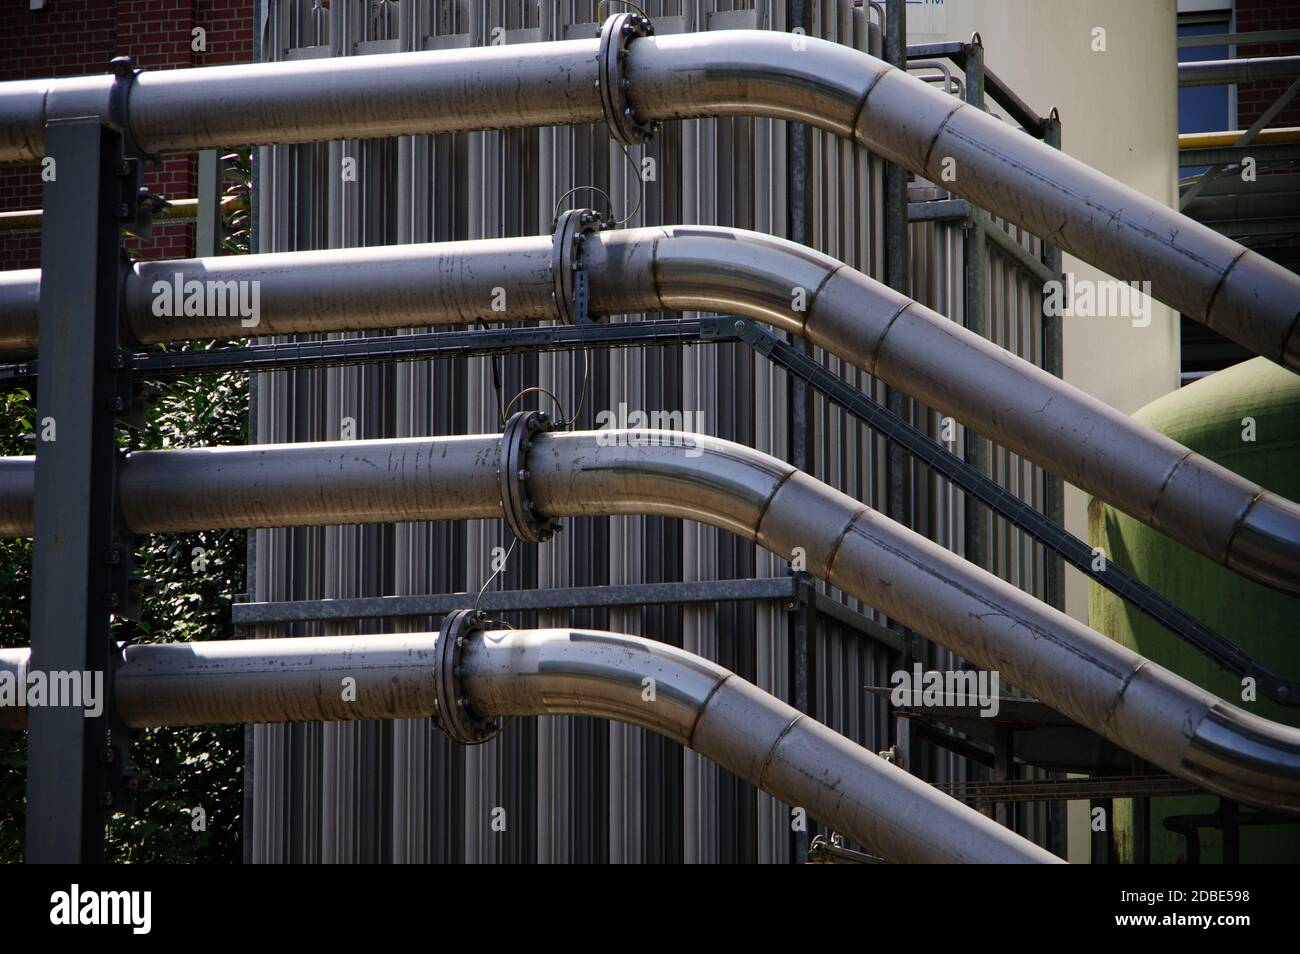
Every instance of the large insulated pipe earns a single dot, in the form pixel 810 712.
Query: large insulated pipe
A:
pixel 1192 268
pixel 697 268
pixel 1102 685
pixel 561 672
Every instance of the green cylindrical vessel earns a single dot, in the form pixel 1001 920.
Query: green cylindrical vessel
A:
pixel 1246 418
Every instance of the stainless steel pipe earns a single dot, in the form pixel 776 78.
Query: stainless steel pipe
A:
pixel 1206 276
pixel 563 672
pixel 1191 499
pixel 1110 689
pixel 1250 69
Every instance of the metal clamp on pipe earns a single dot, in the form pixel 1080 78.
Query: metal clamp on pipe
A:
pixel 571 289
pixel 616 35
pixel 124 73
pixel 455 717
pixel 512 473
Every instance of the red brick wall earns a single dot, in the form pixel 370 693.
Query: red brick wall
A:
pixel 1253 99
pixel 76 37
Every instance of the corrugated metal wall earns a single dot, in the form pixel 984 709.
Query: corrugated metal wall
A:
pixel 573 789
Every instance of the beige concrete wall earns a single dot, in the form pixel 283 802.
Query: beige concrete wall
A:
pixel 1119 114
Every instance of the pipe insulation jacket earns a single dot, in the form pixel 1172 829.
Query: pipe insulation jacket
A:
pixel 1193 500
pixel 1192 268
pixel 1104 686
pixel 563 672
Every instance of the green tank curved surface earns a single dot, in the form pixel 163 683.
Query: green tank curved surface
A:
pixel 1246 418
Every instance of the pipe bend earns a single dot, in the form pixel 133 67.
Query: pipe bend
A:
pixel 581 672
pixel 1266 546
pixel 1246 757
pixel 770 279
pixel 746 730
pixel 664 472
pixel 751 72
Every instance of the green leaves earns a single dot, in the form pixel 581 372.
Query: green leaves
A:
pixel 182 769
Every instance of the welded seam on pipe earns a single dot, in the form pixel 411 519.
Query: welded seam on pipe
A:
pixel 1241 521
pixel 878 348
pixel 770 757
pixel 938 133
pixel 1218 287
pixel 1164 484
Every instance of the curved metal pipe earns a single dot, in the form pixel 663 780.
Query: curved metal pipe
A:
pixel 1100 684
pixel 1192 268
pixel 563 672
pixel 697 268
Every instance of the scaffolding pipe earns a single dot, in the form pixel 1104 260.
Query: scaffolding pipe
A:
pixel 1102 685
pixel 1193 269
pixel 1193 500
pixel 507 673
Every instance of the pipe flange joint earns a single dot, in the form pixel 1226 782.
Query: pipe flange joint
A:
pixel 616 35
pixel 570 231
pixel 457 720
pixel 521 430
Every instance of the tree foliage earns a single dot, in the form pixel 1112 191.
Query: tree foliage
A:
pixel 197 575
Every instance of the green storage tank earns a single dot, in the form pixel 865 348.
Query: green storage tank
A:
pixel 1246 418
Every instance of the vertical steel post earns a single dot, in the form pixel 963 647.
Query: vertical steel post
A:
pixel 976 263
pixel 1053 491
pixel 207 227
pixel 897 267
pixel 1004 770
pixel 799 15
pixel 71 765
pixel 898 277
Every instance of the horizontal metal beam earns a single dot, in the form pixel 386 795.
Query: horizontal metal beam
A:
pixel 790 590
pixel 441 345
pixel 506 601
pixel 1035 790
pixel 938 210
pixel 1233 155
pixel 1255 69
pixel 1240 39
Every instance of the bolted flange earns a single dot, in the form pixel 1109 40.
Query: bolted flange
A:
pixel 570 230
pixel 521 430
pixel 455 717
pixel 616 35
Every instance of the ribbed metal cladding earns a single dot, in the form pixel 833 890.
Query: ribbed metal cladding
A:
pixel 576 789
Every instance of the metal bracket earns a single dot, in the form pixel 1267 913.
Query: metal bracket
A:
pixel 512 473
pixel 568 275
pixel 124 72
pixel 455 717
pixel 616 35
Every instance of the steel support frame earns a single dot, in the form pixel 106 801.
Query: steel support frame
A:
pixel 76 763
pixel 1045 529
pixel 795 592
pixel 799 148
